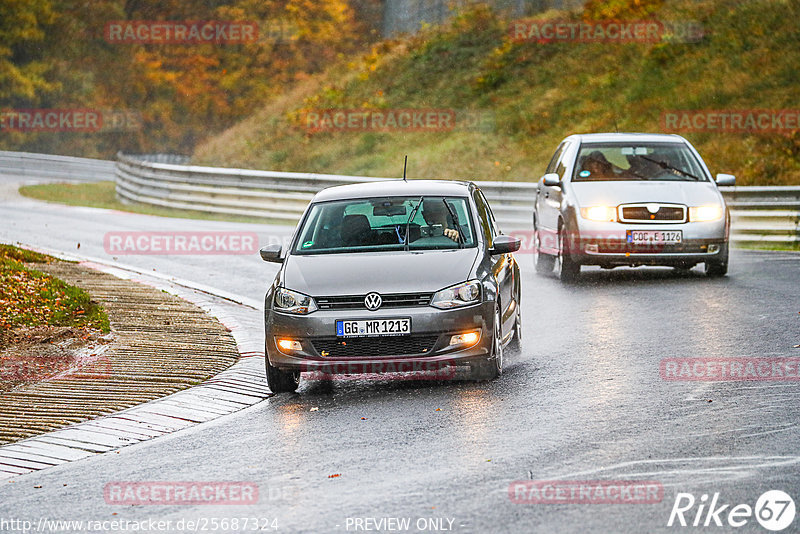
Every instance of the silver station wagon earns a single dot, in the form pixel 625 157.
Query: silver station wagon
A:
pixel 629 199
pixel 393 276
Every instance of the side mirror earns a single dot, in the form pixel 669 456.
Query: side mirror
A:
pixel 503 244
pixel 271 253
pixel 726 179
pixel 551 179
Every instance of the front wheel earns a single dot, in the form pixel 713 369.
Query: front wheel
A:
pixel 542 262
pixel 492 366
pixel 281 381
pixel 515 345
pixel 719 266
pixel 568 269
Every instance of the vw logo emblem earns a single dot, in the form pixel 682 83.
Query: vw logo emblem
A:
pixel 653 208
pixel 373 301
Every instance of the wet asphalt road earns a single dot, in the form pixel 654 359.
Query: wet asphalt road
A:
pixel 584 400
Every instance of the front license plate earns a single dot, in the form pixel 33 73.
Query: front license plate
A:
pixel 654 237
pixel 373 327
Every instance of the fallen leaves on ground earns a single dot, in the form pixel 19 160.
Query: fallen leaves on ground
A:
pixel 32 298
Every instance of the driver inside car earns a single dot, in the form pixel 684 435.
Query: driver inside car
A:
pixel 598 166
pixel 435 214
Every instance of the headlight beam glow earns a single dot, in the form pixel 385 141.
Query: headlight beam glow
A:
pixel 705 213
pixel 599 213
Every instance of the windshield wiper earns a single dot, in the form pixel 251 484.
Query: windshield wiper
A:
pixel 455 221
pixel 636 174
pixel 664 165
pixel 408 224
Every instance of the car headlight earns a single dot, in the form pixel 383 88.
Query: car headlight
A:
pixel 705 213
pixel 457 295
pixel 289 301
pixel 599 213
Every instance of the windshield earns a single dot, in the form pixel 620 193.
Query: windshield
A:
pixel 385 224
pixel 640 161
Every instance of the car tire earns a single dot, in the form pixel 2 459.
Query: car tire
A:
pixel 515 345
pixel 543 263
pixel 718 268
pixel 568 269
pixel 281 381
pixel 492 366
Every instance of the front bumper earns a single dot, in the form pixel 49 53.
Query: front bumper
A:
pixel 432 327
pixel 606 244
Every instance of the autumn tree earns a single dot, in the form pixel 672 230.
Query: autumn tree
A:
pixel 53 53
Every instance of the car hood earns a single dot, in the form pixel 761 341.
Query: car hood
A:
pixel 615 193
pixel 384 272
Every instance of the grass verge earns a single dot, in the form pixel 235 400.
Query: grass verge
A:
pixel 31 298
pixel 777 247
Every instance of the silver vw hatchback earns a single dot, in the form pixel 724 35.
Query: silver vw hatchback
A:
pixel 629 199
pixel 392 277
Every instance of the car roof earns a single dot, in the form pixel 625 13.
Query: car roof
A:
pixel 627 137
pixel 397 187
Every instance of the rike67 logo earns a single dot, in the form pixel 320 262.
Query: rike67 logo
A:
pixel 774 510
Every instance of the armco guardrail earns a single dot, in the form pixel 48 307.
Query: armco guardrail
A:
pixel 761 214
pixel 269 194
pixel 29 165
pixel 764 214
pixel 767 215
